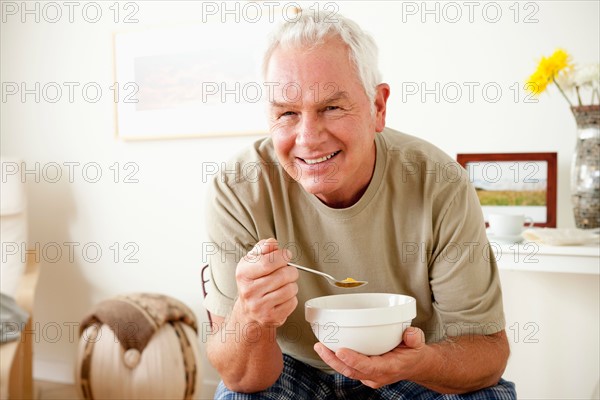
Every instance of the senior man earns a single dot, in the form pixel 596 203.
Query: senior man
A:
pixel 334 189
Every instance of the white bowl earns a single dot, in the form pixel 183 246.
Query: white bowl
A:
pixel 369 323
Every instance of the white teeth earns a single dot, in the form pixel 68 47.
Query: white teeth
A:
pixel 320 160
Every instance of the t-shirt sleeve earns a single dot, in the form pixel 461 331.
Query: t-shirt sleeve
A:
pixel 231 235
pixel 463 273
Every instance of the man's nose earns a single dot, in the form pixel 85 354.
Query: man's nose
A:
pixel 310 130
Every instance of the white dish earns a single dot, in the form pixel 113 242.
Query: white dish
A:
pixel 504 239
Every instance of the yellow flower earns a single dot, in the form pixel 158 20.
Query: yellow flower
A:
pixel 547 71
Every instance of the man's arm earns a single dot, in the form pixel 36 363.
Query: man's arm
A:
pixel 244 365
pixel 457 365
pixel 465 363
pixel 242 347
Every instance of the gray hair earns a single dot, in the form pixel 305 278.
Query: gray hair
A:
pixel 311 29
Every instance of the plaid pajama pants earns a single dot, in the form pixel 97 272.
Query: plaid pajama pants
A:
pixel 300 381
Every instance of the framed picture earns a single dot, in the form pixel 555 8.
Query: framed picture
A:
pixel 515 183
pixel 190 80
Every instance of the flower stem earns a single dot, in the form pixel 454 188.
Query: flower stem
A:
pixel 578 96
pixel 563 93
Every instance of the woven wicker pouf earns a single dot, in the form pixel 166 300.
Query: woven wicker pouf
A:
pixel 138 346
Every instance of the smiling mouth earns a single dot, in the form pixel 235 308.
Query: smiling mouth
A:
pixel 320 160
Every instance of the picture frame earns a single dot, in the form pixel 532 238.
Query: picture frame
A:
pixel 515 183
pixel 189 80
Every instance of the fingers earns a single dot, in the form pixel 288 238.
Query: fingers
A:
pixel 276 279
pixel 267 286
pixel 370 370
pixel 264 246
pixel 358 361
pixel 414 338
pixel 264 258
pixel 269 313
pixel 272 291
pixel 334 362
pixel 349 363
pixel 377 371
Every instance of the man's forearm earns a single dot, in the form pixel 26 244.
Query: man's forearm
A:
pixel 246 355
pixel 463 364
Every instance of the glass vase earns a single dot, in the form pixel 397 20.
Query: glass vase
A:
pixel 585 169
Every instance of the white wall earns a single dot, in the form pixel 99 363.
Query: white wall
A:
pixel 162 213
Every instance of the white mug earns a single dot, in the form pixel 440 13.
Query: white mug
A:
pixel 509 225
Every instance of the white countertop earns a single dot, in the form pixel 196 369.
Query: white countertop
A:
pixel 530 256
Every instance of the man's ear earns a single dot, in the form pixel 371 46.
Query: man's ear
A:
pixel 382 92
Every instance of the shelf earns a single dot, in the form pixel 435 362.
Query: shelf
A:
pixel 531 256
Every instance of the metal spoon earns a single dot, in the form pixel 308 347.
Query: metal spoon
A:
pixel 346 283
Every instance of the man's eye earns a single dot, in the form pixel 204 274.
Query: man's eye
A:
pixel 287 114
pixel 331 108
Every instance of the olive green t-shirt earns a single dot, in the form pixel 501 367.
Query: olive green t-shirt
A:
pixel 417 230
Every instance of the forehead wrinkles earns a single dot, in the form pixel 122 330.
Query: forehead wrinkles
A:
pixel 293 94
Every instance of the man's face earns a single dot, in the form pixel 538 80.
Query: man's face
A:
pixel 321 122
